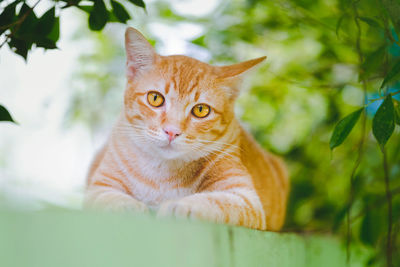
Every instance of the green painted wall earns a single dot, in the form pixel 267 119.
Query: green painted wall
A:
pixel 67 238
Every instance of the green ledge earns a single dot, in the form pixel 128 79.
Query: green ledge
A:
pixel 72 238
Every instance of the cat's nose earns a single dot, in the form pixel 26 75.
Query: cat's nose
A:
pixel 172 132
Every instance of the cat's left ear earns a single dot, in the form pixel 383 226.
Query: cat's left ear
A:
pixel 232 71
pixel 229 76
pixel 139 52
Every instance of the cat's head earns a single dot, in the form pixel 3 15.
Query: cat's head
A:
pixel 178 107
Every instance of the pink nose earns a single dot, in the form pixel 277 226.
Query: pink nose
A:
pixel 172 132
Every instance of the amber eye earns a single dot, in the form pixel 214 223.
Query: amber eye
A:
pixel 201 110
pixel 155 99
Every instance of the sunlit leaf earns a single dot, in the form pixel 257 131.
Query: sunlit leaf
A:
pixel 383 121
pixel 392 74
pixel 119 11
pixel 87 8
pixel 54 34
pixel 343 128
pixel 5 115
pixel 199 41
pixel 98 16
pixel 138 3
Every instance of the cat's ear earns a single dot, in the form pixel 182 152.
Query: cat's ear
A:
pixel 228 77
pixel 232 71
pixel 140 53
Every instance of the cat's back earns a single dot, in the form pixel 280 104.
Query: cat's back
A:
pixel 270 178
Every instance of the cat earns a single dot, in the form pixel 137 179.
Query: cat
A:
pixel 178 149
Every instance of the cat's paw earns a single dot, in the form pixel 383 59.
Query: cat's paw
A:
pixel 181 209
pixel 131 205
pixel 120 204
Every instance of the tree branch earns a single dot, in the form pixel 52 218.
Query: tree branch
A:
pixel 22 19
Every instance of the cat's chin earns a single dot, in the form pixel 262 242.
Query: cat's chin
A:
pixel 169 152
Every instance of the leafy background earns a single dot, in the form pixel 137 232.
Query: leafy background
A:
pixel 330 82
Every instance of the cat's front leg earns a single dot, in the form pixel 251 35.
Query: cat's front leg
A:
pixel 236 206
pixel 112 199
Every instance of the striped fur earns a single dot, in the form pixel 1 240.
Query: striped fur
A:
pixel 213 170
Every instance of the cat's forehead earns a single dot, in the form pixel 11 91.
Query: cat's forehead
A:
pixel 185 75
pixel 183 64
pixel 181 78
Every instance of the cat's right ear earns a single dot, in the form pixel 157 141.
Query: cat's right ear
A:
pixel 140 54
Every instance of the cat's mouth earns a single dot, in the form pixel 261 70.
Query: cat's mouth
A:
pixel 169 147
pixel 170 151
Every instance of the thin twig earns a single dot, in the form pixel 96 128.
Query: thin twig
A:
pixel 382 97
pixel 22 19
pixel 18 23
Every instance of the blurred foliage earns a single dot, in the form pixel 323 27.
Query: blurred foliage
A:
pixel 97 82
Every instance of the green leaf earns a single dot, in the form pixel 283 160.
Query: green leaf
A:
pixel 392 74
pixel 86 8
pixel 70 3
pixel 383 121
pixel 373 62
pixel 119 11
pixel 46 43
pixel 26 30
pixel 340 215
pixel 397 111
pixel 54 34
pixel 371 22
pixel 20 47
pixel 112 17
pixel 369 232
pixel 199 41
pixel 343 128
pixel 46 22
pixel 138 3
pixel 5 115
pixel 7 16
pixel 98 16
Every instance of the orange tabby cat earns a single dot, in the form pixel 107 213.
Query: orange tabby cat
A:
pixel 177 147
